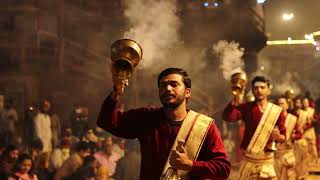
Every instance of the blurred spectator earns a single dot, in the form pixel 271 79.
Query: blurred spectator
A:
pixel 101 133
pixel 106 157
pixel 102 173
pixel 17 140
pixel 55 128
pixel 128 167
pixel 9 116
pixel 86 171
pixel 23 168
pixel 60 154
pixel 79 120
pixel 41 166
pixel 89 136
pixel 8 160
pixel 118 146
pixel 28 123
pixel 36 147
pixel 42 125
pixel 67 134
pixel 74 162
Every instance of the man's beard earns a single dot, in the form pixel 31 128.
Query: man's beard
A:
pixel 172 105
pixel 259 97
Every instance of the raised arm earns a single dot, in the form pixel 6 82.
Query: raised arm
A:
pixel 129 124
pixel 233 112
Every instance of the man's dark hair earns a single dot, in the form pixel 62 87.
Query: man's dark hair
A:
pixel 9 148
pixel 283 97
pixel 298 97
pixel 260 79
pixel 185 77
pixel 83 146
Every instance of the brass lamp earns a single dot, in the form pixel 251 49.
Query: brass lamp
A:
pixel 239 81
pixel 125 55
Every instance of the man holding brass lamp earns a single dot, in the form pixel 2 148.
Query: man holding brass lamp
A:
pixel 176 143
pixel 260 118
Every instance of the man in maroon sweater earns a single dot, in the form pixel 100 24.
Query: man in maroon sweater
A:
pixel 157 128
pixel 259 134
pixel 285 161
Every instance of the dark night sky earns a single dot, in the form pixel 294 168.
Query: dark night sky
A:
pixel 306 18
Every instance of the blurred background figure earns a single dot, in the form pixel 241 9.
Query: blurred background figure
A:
pixel 42 166
pixel 74 162
pixel 79 119
pixel 106 157
pixel 9 116
pixel 23 168
pixel 42 123
pixel 8 160
pixel 128 167
pixel 61 153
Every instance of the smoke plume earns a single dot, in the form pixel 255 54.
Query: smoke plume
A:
pixel 281 79
pixel 154 25
pixel 230 57
pixel 287 82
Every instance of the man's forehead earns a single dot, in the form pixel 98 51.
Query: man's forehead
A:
pixel 282 100
pixel 260 84
pixel 171 77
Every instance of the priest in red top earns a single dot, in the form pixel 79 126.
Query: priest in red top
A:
pixel 157 130
pixel 264 125
pixel 285 161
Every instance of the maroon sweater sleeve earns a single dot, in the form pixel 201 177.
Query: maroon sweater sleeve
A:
pixel 232 113
pixel 281 123
pixel 297 132
pixel 129 124
pixel 213 161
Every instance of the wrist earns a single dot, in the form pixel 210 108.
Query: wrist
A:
pixel 189 165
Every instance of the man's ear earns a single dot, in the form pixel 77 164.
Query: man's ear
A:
pixel 188 92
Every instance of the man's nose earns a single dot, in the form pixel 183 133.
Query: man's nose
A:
pixel 168 87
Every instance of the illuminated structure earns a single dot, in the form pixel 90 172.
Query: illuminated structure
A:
pixel 58 48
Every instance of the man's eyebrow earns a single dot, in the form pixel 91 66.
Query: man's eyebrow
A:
pixel 165 81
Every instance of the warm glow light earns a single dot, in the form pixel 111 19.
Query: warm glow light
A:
pixel 282 42
pixel 308 36
pixel 287 16
pixel 316 33
pixel 261 1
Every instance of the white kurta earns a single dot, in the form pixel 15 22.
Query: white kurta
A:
pixel 42 126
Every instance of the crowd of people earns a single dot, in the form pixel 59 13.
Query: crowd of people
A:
pixel 41 147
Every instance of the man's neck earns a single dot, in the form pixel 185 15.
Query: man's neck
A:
pixel 262 103
pixel 176 114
